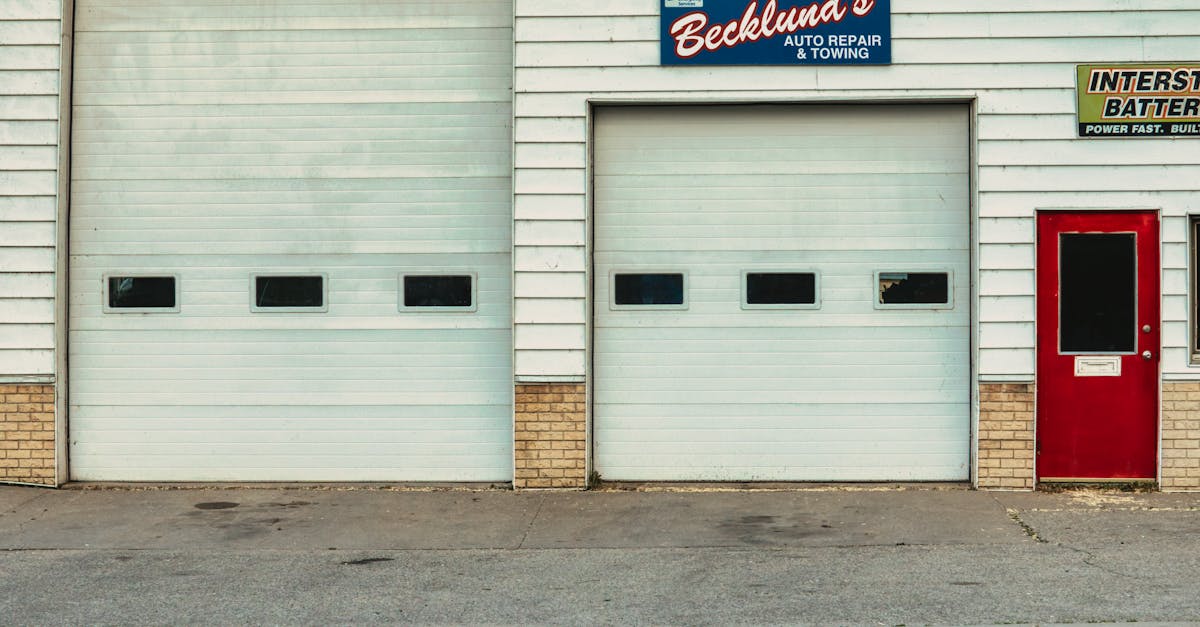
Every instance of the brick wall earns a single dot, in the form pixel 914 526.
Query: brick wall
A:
pixel 1006 436
pixel 551 436
pixel 1180 436
pixel 27 434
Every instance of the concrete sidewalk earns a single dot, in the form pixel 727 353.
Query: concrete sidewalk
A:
pixel 849 554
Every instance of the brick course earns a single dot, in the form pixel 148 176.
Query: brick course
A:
pixel 1006 441
pixel 27 434
pixel 1180 436
pixel 550 442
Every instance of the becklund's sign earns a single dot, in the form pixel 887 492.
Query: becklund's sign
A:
pixel 776 32
pixel 1139 100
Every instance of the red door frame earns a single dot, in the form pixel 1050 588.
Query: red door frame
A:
pixel 1101 428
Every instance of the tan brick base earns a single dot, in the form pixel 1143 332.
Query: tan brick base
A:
pixel 1180 436
pixel 1006 436
pixel 551 436
pixel 27 434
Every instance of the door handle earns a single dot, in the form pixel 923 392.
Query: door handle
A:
pixel 1147 355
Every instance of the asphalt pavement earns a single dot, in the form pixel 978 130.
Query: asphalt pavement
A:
pixel 675 555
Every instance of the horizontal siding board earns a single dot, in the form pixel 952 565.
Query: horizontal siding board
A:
pixel 1006 230
pixel 1103 154
pixel 22 362
pixel 30 58
pixel 29 32
pixel 550 362
pixel 28 158
pixel 548 233
pixel 27 234
pixel 28 133
pixel 551 336
pixel 1003 335
pixel 28 82
pixel 27 208
pixel 550 285
pixel 915 50
pixel 27 260
pixel 27 310
pixel 549 130
pixel 549 207
pixel 549 311
pixel 26 285
pixel 1069 178
pixel 526 8
pixel 549 259
pixel 1006 282
pixel 41 183
pixel 1006 361
pixel 16 336
pixel 29 108
pixel 548 181
pixel 32 10
pixel 551 155
pixel 1006 308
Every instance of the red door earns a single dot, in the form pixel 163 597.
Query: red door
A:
pixel 1097 345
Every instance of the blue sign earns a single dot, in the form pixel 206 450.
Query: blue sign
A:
pixel 776 32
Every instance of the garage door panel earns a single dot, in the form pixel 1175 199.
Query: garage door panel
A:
pixel 894 394
pixel 355 140
pixel 828 467
pixel 844 390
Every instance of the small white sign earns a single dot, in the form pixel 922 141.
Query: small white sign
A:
pixel 1093 366
pixel 684 4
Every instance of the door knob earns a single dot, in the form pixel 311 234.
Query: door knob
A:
pixel 1147 355
pixel 1145 328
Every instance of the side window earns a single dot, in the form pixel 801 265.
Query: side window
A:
pixel 780 290
pixel 913 290
pixel 288 293
pixel 138 293
pixel 438 292
pixel 648 290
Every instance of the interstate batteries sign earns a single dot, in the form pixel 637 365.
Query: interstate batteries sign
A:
pixel 1139 100
pixel 776 32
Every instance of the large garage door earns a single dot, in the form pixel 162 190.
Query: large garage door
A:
pixel 782 293
pixel 290 240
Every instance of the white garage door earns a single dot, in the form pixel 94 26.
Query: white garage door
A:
pixel 250 182
pixel 782 293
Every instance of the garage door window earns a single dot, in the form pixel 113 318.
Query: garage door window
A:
pixel 913 290
pixel 437 292
pixel 289 293
pixel 657 290
pixel 780 290
pixel 141 294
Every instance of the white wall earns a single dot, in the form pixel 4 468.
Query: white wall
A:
pixel 29 77
pixel 1016 58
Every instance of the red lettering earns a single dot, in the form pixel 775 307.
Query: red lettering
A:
pixel 752 26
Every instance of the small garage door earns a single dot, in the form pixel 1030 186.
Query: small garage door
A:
pixel 290 241
pixel 782 293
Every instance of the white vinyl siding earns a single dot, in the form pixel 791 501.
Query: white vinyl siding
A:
pixel 29 75
pixel 354 139
pixel 1016 59
pixel 848 391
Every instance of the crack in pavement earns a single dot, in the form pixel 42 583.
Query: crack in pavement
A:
pixel 532 519
pixel 1015 516
pixel 1089 556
